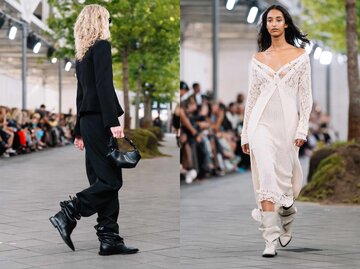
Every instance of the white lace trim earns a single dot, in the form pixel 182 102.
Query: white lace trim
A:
pixel 276 198
pixel 305 97
pixel 255 82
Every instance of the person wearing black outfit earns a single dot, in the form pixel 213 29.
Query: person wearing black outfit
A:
pixel 98 110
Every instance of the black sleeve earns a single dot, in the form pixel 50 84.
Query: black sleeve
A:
pixel 79 97
pixel 104 83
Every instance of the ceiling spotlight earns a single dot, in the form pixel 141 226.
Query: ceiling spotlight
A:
pixel 33 43
pixel 37 47
pixel 252 14
pixel 326 57
pixel 68 65
pixel 309 47
pixel 12 32
pixel 50 54
pixel 341 58
pixel 2 20
pixel 317 53
pixel 230 4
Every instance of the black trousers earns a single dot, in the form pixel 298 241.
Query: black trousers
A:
pixel 105 179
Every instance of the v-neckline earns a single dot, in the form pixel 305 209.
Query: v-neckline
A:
pixel 282 67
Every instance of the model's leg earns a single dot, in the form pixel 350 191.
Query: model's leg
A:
pixel 108 215
pixel 267 206
pixel 102 195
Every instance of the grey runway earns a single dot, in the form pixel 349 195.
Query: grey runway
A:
pixel 32 185
pixel 217 231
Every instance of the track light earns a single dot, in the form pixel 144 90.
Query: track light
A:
pixel 309 47
pixel 37 47
pixel 33 43
pixel 12 32
pixel 326 57
pixel 50 54
pixel 317 53
pixel 230 4
pixel 341 58
pixel 2 20
pixel 68 65
pixel 252 14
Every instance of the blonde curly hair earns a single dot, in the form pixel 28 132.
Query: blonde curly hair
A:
pixel 91 24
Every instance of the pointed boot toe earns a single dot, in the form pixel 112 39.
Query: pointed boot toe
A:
pixel 64 229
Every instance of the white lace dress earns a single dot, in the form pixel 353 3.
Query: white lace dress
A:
pixel 272 122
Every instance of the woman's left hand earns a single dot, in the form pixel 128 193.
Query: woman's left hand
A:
pixel 117 132
pixel 299 142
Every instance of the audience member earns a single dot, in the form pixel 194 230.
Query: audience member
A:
pixel 24 131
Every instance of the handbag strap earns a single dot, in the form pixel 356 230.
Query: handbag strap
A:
pixel 130 142
pixel 114 145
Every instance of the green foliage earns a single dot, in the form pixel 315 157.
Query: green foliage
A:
pixel 325 20
pixel 157 131
pixel 323 181
pixel 148 30
pixel 335 145
pixel 339 144
pixel 146 141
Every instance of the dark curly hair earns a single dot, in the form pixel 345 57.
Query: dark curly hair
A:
pixel 292 32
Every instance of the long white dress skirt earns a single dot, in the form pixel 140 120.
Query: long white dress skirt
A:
pixel 272 159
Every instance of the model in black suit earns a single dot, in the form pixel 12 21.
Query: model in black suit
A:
pixel 98 110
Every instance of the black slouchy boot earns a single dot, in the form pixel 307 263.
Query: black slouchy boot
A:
pixel 111 243
pixel 65 219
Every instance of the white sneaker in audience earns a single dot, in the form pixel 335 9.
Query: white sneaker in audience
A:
pixel 10 151
pixel 190 176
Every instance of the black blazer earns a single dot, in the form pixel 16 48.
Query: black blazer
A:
pixel 95 88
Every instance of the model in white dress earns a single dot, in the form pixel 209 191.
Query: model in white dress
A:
pixel 272 123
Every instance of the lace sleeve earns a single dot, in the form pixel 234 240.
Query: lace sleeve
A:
pixel 306 101
pixel 253 94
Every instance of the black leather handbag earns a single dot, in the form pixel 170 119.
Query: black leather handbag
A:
pixel 127 159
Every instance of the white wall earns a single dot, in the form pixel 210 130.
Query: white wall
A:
pixel 10 91
pixel 196 66
pixel 37 94
pixel 234 61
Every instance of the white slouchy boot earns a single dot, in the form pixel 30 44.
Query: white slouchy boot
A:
pixel 270 231
pixel 287 217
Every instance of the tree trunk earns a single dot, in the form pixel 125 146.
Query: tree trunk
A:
pixel 138 90
pixel 353 71
pixel 125 67
pixel 147 111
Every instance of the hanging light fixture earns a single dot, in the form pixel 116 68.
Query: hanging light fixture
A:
pixel 230 4
pixel 2 20
pixel 33 43
pixel 68 64
pixel 326 57
pixel 252 14
pixel 50 54
pixel 12 32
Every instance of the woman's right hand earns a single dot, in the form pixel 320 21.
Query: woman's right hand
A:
pixel 245 149
pixel 79 143
pixel 117 132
